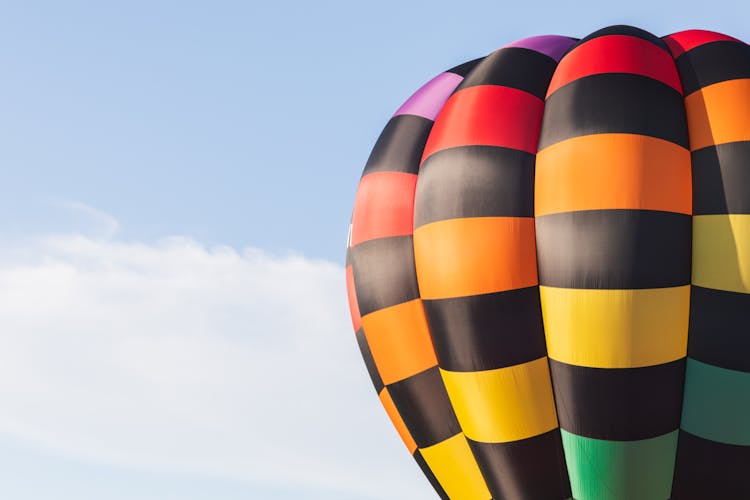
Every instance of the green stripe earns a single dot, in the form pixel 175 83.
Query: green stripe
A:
pixel 717 403
pixel 620 470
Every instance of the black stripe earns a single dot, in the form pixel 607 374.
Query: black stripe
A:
pixel 530 468
pixel 465 68
pixel 515 67
pixel 719 328
pixel 400 146
pixel 424 406
pixel 364 349
pixel 384 273
pixel 614 249
pixel 712 63
pixel 623 29
pixel 484 332
pixel 614 103
pixel 430 476
pixel 707 469
pixel 721 179
pixel 475 181
pixel 618 404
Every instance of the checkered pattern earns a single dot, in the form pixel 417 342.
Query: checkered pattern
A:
pixel 387 310
pixel 547 269
pixel 714 447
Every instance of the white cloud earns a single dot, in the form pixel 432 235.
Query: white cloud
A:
pixel 177 357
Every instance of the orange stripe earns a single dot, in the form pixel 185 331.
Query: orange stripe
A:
pixel 616 54
pixel 352 296
pixel 384 206
pixel 719 113
pixel 613 171
pixel 399 341
pixel 398 422
pixel 459 257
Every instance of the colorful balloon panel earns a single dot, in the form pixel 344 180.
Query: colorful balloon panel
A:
pixel 387 309
pixel 601 263
pixel 547 269
pixel 714 442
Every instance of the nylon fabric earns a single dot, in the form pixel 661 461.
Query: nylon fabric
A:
pixel 547 270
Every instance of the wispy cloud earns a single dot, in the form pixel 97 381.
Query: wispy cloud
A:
pixel 53 215
pixel 104 225
pixel 181 357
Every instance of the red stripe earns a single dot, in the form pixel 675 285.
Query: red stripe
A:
pixel 488 115
pixel 384 206
pixel 352 295
pixel 616 54
pixel 684 41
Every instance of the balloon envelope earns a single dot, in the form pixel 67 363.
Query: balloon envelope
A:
pixel 548 269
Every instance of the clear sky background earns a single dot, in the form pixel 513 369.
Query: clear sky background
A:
pixel 177 179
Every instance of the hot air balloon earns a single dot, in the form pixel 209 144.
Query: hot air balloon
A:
pixel 548 270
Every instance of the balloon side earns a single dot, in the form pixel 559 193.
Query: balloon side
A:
pixel 387 311
pixel 714 440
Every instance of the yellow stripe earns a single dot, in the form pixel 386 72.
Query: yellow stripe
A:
pixel 453 465
pixel 721 252
pixel 719 113
pixel 616 328
pixel 506 404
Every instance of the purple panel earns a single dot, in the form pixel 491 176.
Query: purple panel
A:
pixel 429 99
pixel 551 45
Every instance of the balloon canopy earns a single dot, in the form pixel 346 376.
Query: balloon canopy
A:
pixel 548 270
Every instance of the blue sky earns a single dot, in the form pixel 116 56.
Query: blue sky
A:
pixel 177 183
